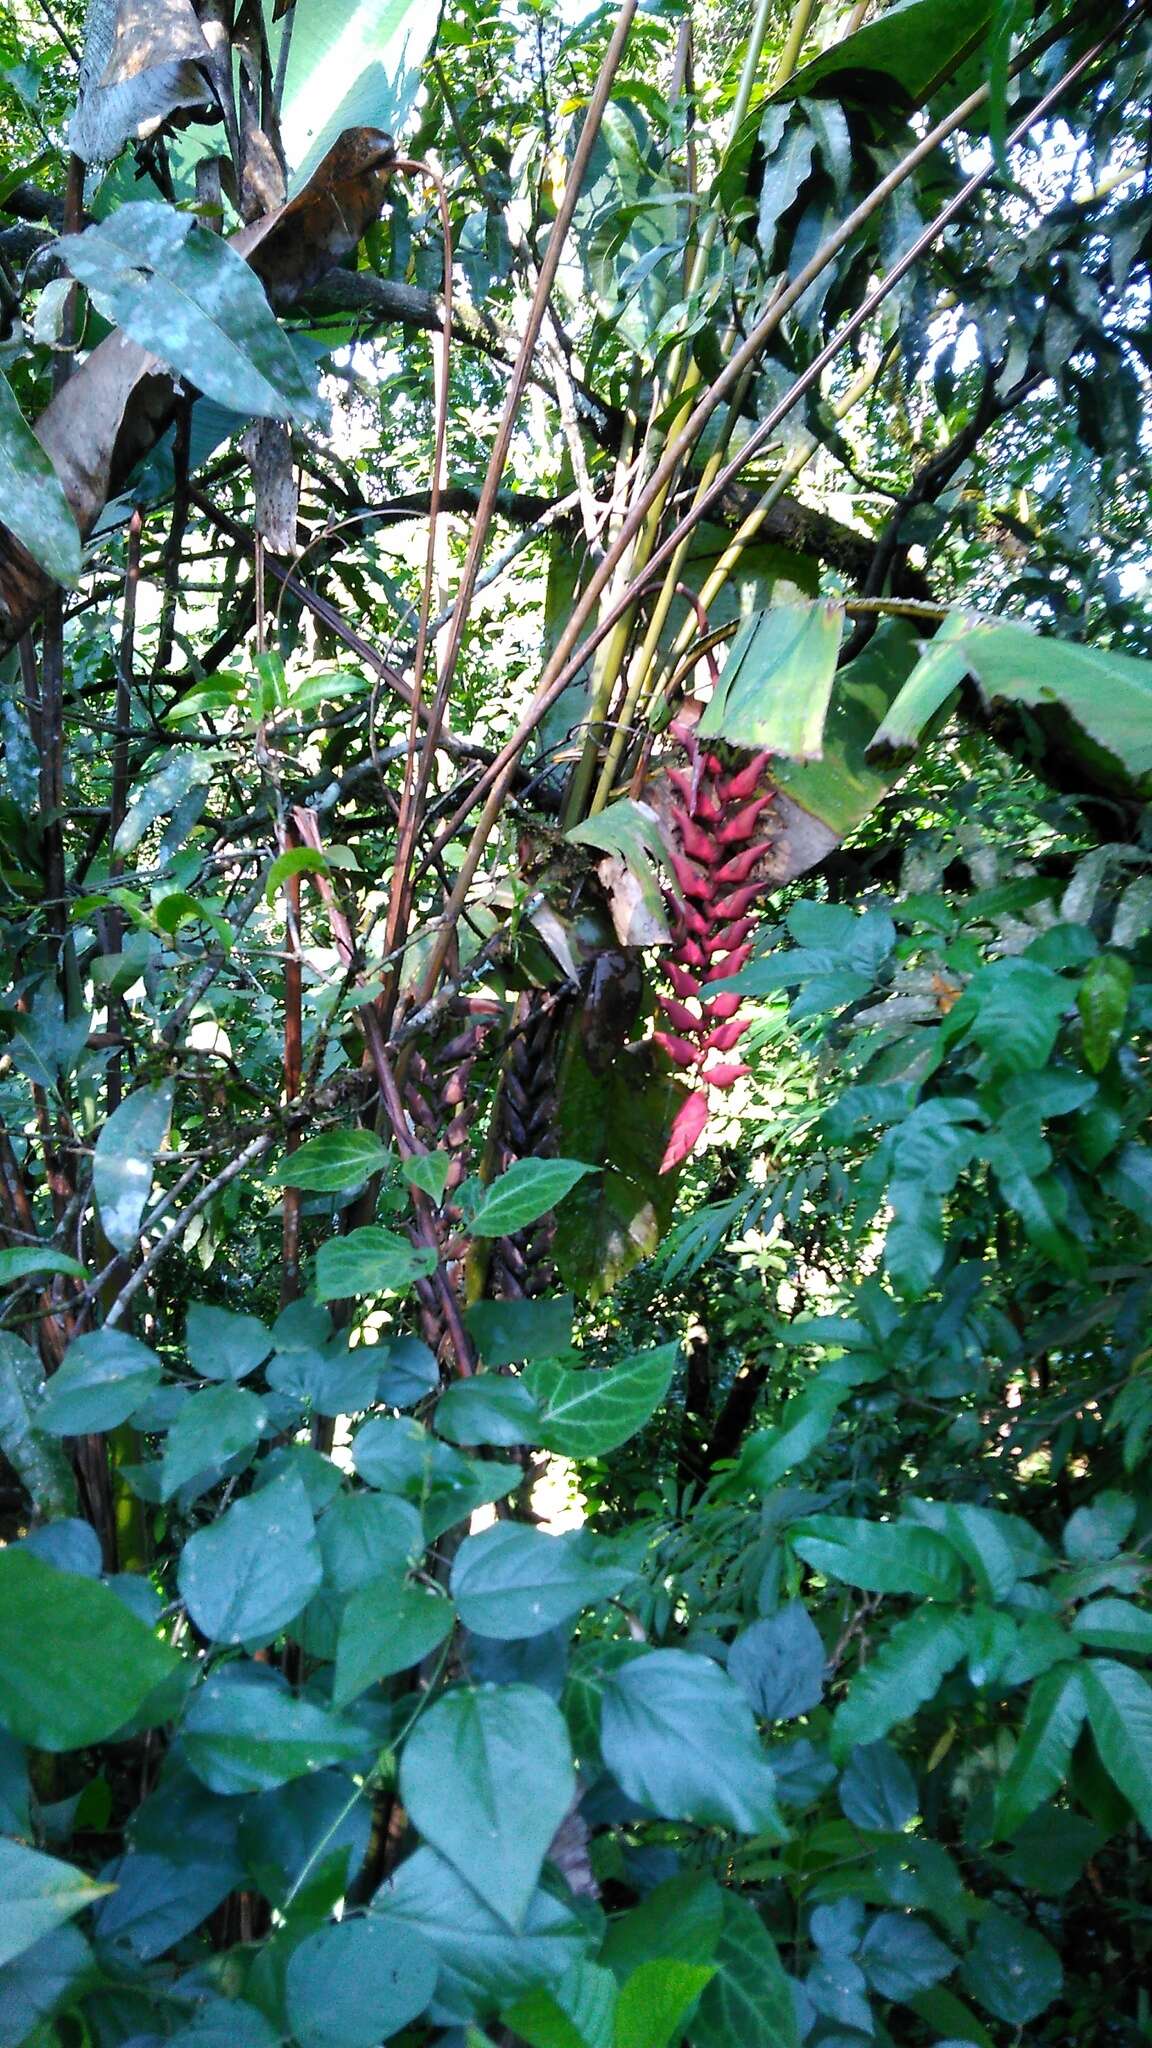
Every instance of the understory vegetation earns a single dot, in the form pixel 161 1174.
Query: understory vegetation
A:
pixel 576 903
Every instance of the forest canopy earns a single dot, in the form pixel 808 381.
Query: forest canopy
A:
pixel 576 899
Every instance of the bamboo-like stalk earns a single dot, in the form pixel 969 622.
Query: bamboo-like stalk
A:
pixel 570 653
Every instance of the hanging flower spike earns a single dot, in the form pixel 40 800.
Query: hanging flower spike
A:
pixel 716 815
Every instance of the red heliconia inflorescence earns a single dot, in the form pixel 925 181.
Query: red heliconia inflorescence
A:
pixel 717 817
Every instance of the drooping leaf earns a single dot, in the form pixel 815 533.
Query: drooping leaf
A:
pixel 181 292
pixel 50 1694
pixel 352 1985
pixel 39 1893
pixel 629 834
pixel 1056 1710
pixel 351 65
pixel 35 509
pixel 774 691
pixel 248 1574
pixel 587 1412
pixel 124 1159
pixel 162 792
pixel 512 1581
pixel 335 1161
pixel 527 1191
pixel 103 1378
pixel 912 42
pixel 1119 1703
pixel 487 1777
pixel 679 1737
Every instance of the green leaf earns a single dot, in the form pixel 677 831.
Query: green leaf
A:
pixel 400 1456
pixel 124 1159
pixel 162 793
pixel 877 1790
pixel 38 1982
pixel 1102 1000
pixel 654 2004
pixel 529 1189
pixel 906 1670
pixel 679 1737
pixel 682 1918
pixel 1043 1755
pixel 588 1413
pixel 337 1160
pixel 1112 1624
pixel 1119 1702
pixel 1011 1970
pixel 409 1371
pixel 25 1259
pixel 40 1462
pixel 36 510
pixel 104 1376
pixel 913 42
pixel 881 1557
pixel 749 1999
pixel 779 1664
pixel 295 860
pixel 351 66
pixel 505 1332
pixel 487 1778
pixel 352 1985
pixel 484 1965
pixel 775 688
pixel 243 1731
pixel 577 2011
pixel 185 295
pixel 249 1573
pixel 900 1955
pixel 75 1665
pixel 1097 1531
pixel 226 2023
pixel 212 1427
pixel 486 1409
pixel 369 1261
pixel 768 1454
pixel 224 1346
pixel 428 1172
pixel 39 1894
pixel 388 1625
pixel 512 1581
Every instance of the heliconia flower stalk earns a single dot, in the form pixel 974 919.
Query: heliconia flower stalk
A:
pixel 717 814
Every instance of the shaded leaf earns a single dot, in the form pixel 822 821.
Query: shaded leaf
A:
pixel 123 1162
pixel 679 1738
pixel 49 1695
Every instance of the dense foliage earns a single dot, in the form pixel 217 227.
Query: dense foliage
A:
pixel 575 1185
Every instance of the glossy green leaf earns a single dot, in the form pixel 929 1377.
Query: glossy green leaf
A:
pixel 749 1998
pixel 901 1674
pixel 1043 1754
pixel 529 1189
pixel 913 43
pixel 39 1893
pixel 103 1377
pixel 295 860
pixel 1119 1702
pixel 244 1731
pixel 25 1259
pixel 588 1412
pixel 52 1694
pixel 182 293
pixel 512 1581
pixel 881 1557
pixel 388 1625
pixel 124 1161
pixel 487 1777
pixel 775 687
pixel 679 1737
pixel 369 1261
pixel 222 1345
pixel 355 1984
pixel 36 510
pixel 211 1427
pixel 656 2001
pixel 335 1161
pixel 249 1573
